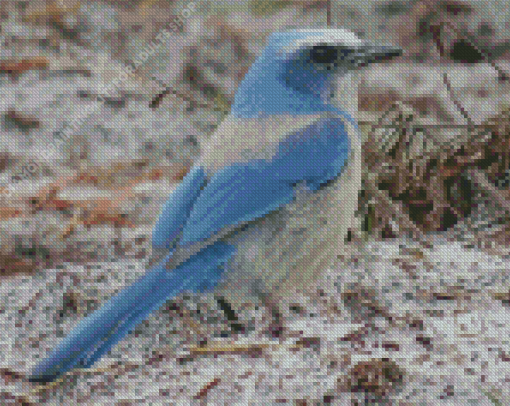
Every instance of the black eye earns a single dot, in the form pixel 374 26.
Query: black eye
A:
pixel 323 54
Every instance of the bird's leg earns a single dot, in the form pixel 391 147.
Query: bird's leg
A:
pixel 275 329
pixel 235 326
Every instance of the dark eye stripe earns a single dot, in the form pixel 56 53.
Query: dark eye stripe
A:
pixel 323 54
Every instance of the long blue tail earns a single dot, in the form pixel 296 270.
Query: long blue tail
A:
pixel 100 331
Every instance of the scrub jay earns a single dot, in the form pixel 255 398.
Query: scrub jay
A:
pixel 269 202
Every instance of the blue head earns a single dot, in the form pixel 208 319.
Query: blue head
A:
pixel 294 74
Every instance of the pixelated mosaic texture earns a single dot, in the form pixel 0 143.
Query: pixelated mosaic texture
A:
pixel 397 320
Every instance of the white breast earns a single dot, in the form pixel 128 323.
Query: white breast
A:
pixel 286 250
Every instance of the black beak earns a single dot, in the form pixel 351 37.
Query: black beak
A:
pixel 380 53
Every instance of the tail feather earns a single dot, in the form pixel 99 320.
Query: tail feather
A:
pixel 101 330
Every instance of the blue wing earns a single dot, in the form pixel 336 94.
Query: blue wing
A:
pixel 245 191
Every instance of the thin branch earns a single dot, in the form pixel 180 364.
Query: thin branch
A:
pixel 456 102
pixel 328 13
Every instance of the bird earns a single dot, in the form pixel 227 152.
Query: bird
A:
pixel 267 205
